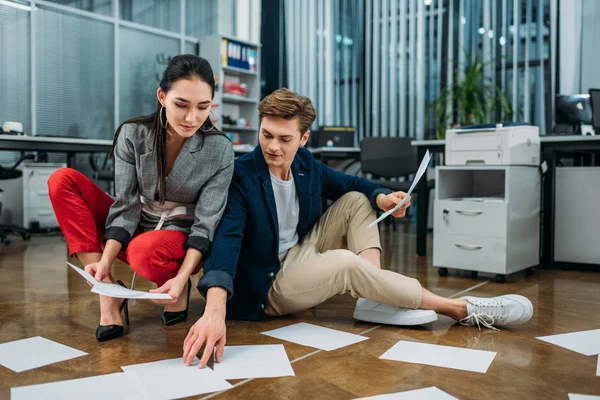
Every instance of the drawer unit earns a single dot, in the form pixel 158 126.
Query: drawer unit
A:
pixel 27 199
pixel 486 219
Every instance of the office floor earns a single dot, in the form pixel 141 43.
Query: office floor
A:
pixel 40 296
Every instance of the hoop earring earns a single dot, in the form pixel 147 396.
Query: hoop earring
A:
pixel 214 123
pixel 160 117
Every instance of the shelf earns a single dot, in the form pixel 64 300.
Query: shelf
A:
pixel 230 98
pixel 238 71
pixel 236 128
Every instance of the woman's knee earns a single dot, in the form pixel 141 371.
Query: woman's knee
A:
pixel 62 179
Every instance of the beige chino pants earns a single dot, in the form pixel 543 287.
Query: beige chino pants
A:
pixel 326 263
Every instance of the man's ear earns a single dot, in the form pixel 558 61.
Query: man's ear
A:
pixel 305 137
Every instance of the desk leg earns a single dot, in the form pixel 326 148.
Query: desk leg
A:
pixel 71 158
pixel 547 254
pixel 422 209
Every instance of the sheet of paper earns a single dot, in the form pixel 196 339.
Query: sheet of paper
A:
pixel 584 342
pixel 422 169
pixel 261 361
pixel 115 290
pixel 583 397
pixel 315 336
pixel 172 379
pixel 35 352
pixel 103 387
pixel 598 367
pixel 430 393
pixel 440 356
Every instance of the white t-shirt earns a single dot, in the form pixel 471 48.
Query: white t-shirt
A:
pixel 288 210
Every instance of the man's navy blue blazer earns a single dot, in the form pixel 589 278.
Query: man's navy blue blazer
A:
pixel 244 258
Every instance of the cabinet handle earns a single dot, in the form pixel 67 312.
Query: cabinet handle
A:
pixel 469 212
pixel 43 192
pixel 468 246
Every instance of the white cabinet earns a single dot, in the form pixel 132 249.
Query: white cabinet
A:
pixel 486 219
pixel 26 199
pixel 576 215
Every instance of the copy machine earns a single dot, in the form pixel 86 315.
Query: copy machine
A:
pixel 493 145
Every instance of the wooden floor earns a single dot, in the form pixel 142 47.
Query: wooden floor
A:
pixel 39 295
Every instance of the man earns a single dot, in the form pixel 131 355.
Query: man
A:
pixel 274 254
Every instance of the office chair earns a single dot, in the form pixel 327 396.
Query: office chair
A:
pixel 5 229
pixel 390 157
pixel 103 170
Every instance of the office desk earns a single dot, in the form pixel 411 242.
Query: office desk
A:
pixel 69 146
pixel 551 148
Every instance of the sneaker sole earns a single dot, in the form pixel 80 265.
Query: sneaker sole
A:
pixel 367 316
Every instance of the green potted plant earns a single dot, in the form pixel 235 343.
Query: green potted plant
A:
pixel 470 99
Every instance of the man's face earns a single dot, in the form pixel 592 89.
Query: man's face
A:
pixel 280 139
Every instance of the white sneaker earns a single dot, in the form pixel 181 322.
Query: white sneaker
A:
pixel 367 310
pixel 508 310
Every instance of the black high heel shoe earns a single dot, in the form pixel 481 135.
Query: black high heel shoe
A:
pixel 108 332
pixel 175 317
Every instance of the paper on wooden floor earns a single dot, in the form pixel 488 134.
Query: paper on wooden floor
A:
pixel 430 393
pixel 260 361
pixel 584 342
pixel 115 290
pixel 25 354
pixel 440 356
pixel 315 336
pixel 103 387
pixel 172 379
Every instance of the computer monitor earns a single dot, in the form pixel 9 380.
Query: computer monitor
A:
pixel 572 111
pixel 595 102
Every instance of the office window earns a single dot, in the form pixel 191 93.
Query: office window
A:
pixel 201 17
pixel 103 7
pixel 159 14
pixel 143 58
pixel 75 75
pixel 15 68
pixel 191 48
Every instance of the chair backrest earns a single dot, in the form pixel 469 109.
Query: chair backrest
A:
pixel 388 157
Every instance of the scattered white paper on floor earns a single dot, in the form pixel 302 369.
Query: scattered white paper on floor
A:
pixel 35 352
pixel 584 342
pixel 418 175
pixel 315 336
pixel 261 361
pixel 583 397
pixel 172 379
pixel 103 387
pixel 115 290
pixel 441 356
pixel 598 367
pixel 430 393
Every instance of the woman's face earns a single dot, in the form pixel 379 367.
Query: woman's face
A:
pixel 187 104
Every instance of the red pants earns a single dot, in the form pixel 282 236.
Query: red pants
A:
pixel 81 208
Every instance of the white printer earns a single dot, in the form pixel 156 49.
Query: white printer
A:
pixel 499 145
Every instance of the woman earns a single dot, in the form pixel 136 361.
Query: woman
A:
pixel 172 172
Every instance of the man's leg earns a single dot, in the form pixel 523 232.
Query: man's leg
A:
pixel 319 267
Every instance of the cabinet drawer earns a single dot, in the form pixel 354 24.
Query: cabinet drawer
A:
pixel 474 253
pixel 37 198
pixel 45 216
pixel 37 178
pixel 485 218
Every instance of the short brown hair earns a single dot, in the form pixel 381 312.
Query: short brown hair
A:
pixel 283 103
